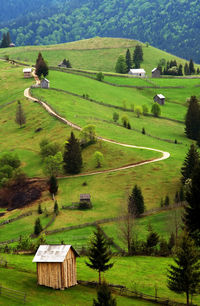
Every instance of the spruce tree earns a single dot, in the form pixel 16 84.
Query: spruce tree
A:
pixel 191 67
pixel 53 185
pixel 184 276
pixel 72 155
pixel 20 116
pixel 192 120
pixel 186 69
pixel 137 56
pixel 190 162
pixel 56 208
pixel 104 297
pixel 166 202
pixel 136 202
pixel 40 209
pixel 128 60
pixel 41 67
pixel 37 227
pixel 180 70
pixel 192 210
pixel 99 253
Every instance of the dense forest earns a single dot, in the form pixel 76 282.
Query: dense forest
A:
pixel 167 24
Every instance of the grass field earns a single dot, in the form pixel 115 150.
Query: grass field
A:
pixel 138 272
pixel 98 54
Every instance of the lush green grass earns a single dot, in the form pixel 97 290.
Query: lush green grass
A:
pixel 138 272
pixel 98 54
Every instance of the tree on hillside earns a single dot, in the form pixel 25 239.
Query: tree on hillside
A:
pixel 72 155
pixel 191 67
pixel 41 67
pixel 99 253
pixel 98 158
pixel 192 119
pixel 180 70
pixel 56 208
pixel 53 164
pixel 121 66
pixel 136 202
pixel 88 134
pixel 184 276
pixel 20 116
pixel 128 60
pixel 191 215
pixel 100 76
pixel 156 110
pixel 38 227
pixel 53 185
pixel 5 43
pixel 186 69
pixel 137 56
pixel 104 296
pixel 126 230
pixel 190 162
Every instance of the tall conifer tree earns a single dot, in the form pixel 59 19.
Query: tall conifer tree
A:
pixel 192 120
pixel 72 155
pixel 128 60
pixel 99 253
pixel 104 297
pixel 190 162
pixel 136 202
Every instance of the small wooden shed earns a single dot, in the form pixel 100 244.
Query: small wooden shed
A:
pixel 160 99
pixel 27 73
pixel 45 83
pixel 155 73
pixel 85 197
pixel 138 72
pixel 56 266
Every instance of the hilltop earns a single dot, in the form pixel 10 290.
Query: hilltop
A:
pixel 98 54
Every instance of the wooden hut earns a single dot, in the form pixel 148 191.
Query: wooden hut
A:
pixel 27 73
pixel 85 197
pixel 137 72
pixel 155 73
pixel 56 266
pixel 45 83
pixel 160 99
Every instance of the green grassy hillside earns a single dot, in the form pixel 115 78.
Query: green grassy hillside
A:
pixel 98 54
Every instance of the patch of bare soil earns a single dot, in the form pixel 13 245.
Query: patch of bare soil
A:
pixel 20 195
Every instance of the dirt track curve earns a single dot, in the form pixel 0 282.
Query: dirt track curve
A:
pixel 165 155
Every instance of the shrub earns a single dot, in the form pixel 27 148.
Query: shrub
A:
pixel 138 111
pixel 100 76
pixel 156 110
pixel 115 116
pixel 145 110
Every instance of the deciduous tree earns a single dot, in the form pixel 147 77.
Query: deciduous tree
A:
pixel 20 116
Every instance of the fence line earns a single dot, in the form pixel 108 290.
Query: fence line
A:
pixel 17 218
pixel 10 293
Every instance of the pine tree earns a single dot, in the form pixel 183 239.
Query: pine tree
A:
pixel 180 70
pixel 99 253
pixel 38 227
pixel 192 210
pixel 128 60
pixel 8 40
pixel 136 202
pixel 190 162
pixel 104 297
pixel 137 56
pixel 184 276
pixel 192 120
pixel 56 208
pixel 176 198
pixel 191 67
pixel 40 209
pixel 186 69
pixel 41 67
pixel 152 239
pixel 72 155
pixel 171 242
pixel 166 202
pixel 53 185
pixel 20 117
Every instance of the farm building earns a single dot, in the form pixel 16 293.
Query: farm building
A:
pixel 85 197
pixel 56 266
pixel 45 83
pixel 27 73
pixel 11 45
pixel 160 99
pixel 137 72
pixel 155 73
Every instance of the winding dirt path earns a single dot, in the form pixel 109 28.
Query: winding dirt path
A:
pixel 164 156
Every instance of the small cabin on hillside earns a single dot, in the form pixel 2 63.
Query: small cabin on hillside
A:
pixel 45 83
pixel 85 197
pixel 56 266
pixel 160 99
pixel 27 73
pixel 137 72
pixel 155 73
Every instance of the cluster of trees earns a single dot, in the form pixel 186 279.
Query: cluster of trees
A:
pixel 66 63
pixel 124 64
pixel 172 68
pixel 51 22
pixel 6 41
pixel 41 67
pixel 192 120
pixel 9 168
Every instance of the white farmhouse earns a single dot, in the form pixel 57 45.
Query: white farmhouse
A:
pixel 138 72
